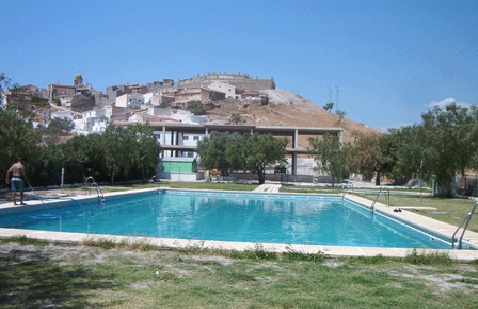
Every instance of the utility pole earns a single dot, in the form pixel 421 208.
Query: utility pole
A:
pixel 330 95
pixel 337 106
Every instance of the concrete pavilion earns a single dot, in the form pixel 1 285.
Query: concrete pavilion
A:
pixel 178 129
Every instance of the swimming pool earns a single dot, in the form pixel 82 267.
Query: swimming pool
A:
pixel 239 217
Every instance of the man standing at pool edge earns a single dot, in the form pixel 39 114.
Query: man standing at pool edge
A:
pixel 16 174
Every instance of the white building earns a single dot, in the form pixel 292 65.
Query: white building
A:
pixel 181 139
pixel 130 100
pixel 95 121
pixel 229 90
pixel 147 98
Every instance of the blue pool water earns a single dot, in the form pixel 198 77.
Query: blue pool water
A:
pixel 289 219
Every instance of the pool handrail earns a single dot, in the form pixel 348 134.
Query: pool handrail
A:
pixel 346 187
pixel 372 206
pixel 101 198
pixel 466 221
pixel 155 182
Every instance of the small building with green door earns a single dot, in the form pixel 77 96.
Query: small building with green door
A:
pixel 178 169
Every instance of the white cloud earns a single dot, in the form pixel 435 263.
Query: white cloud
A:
pixel 394 126
pixel 447 101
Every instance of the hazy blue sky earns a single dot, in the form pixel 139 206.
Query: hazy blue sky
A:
pixel 389 59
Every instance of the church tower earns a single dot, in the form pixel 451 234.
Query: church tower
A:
pixel 78 80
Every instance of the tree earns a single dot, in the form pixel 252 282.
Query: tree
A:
pixel 17 135
pixel 374 154
pixel 197 107
pixel 328 107
pixel 147 150
pixel 60 126
pixel 236 118
pixel 255 152
pixel 341 115
pixel 445 142
pixel 448 142
pixel 212 150
pixel 333 157
pixel 120 147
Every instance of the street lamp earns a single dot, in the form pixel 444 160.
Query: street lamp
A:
pixel 420 180
pixel 62 171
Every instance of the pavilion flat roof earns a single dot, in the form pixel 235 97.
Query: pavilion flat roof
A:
pixel 201 128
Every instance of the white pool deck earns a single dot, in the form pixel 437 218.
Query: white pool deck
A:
pixel 438 227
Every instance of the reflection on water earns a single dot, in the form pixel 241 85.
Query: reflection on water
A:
pixel 236 217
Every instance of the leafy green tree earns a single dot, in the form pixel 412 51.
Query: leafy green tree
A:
pixel 17 135
pixel 328 106
pixel 120 146
pixel 255 152
pixel 332 157
pixel 60 126
pixel 448 142
pixel 442 145
pixel 374 153
pixel 40 102
pixel 147 150
pixel 236 118
pixel 212 150
pixel 341 115
pixel 197 107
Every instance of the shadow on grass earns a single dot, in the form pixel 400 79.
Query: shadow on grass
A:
pixel 28 279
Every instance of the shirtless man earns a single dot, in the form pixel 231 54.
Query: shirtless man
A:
pixel 17 173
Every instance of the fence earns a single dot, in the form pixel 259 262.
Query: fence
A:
pixel 468 185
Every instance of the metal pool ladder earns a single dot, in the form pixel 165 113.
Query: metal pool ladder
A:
pixel 154 181
pixel 372 206
pixel 101 198
pixel 346 188
pixel 465 221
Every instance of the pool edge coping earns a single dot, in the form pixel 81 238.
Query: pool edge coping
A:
pixel 329 251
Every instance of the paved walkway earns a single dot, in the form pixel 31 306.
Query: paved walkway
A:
pixel 268 187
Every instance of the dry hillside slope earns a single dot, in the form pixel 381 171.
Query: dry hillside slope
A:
pixel 289 110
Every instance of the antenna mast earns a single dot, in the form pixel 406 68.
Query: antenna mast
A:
pixel 337 107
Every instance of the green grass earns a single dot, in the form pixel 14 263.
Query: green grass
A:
pixel 451 210
pixel 223 186
pixel 36 276
pixel 310 189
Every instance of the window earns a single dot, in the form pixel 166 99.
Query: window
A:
pixel 196 138
pixel 185 138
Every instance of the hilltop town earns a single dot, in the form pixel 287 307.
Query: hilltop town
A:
pixel 229 99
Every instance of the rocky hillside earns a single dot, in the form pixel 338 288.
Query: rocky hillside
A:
pixel 288 110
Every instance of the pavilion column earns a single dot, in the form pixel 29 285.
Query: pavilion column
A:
pixel 295 145
pixel 163 141
pixel 294 163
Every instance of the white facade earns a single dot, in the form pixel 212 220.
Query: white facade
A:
pixel 136 118
pixel 229 90
pixel 183 139
pixel 147 97
pixel 158 111
pixel 187 117
pixel 95 121
pixel 130 100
